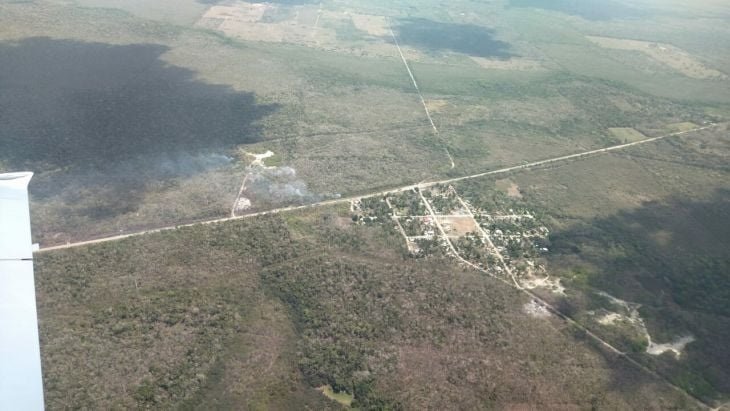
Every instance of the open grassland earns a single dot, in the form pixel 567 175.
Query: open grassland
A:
pixel 259 313
pixel 648 226
pixel 626 134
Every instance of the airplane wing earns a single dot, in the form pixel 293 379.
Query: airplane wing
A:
pixel 21 384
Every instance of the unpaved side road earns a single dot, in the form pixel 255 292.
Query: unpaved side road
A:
pixel 420 95
pixel 238 197
pixel 343 200
pixel 608 346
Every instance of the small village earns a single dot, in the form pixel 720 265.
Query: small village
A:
pixel 509 244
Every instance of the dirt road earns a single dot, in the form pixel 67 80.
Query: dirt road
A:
pixel 420 95
pixel 454 252
pixel 526 166
pixel 554 310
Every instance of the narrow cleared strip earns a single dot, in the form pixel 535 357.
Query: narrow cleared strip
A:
pixel 420 95
pixel 238 197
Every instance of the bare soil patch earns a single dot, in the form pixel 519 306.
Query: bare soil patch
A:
pixel 458 226
pixel 509 187
pixel 436 106
pixel 535 309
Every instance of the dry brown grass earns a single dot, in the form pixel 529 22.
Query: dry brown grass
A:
pixel 515 63
pixel 436 105
pixel 240 12
pixel 374 25
pixel 667 54
pixel 245 21
pixel 509 187
pixel 626 134
pixel 683 126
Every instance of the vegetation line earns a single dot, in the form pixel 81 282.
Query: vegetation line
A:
pixel 379 193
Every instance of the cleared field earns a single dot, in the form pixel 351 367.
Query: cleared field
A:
pixel 683 126
pixel 260 22
pixel 667 54
pixel 458 226
pixel 345 31
pixel 627 134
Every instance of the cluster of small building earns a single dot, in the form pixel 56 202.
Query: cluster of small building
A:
pixel 486 238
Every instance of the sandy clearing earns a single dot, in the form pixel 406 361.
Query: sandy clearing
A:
pixel 551 284
pixel 610 319
pixel 535 309
pixel 675 347
pixel 634 318
pixel 242 204
pixel 259 158
pixel 458 226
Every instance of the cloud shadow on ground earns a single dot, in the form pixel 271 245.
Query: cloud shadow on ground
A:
pixel 73 104
pixel 101 124
pixel 436 36
pixel 670 257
